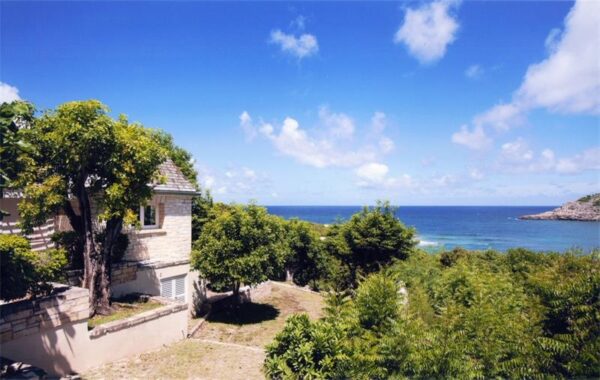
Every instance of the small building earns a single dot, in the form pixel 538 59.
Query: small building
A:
pixel 157 260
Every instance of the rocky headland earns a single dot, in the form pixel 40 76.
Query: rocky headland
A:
pixel 583 209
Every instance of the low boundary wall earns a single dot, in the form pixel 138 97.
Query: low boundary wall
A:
pixel 52 332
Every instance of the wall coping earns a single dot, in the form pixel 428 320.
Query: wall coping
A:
pixel 157 264
pixel 111 327
pixel 60 292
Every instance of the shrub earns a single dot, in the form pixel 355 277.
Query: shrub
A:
pixel 304 350
pixel 25 271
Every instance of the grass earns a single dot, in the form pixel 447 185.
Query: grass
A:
pixel 228 346
pixel 123 308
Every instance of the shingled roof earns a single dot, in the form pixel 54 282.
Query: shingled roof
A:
pixel 175 181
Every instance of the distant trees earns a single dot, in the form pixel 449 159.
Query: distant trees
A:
pixel 79 157
pixel 239 245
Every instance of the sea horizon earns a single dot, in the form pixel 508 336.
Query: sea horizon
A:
pixel 470 227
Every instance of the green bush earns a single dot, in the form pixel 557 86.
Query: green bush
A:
pixel 25 271
pixel 307 350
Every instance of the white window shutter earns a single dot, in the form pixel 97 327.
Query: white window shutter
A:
pixel 173 288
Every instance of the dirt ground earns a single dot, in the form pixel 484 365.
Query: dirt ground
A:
pixel 229 345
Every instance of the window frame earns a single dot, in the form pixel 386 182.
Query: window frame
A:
pixel 156 224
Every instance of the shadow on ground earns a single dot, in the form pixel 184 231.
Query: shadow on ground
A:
pixel 244 314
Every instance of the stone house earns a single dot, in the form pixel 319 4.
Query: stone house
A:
pixel 157 260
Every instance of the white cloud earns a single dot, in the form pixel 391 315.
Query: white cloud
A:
pixel 8 93
pixel 372 172
pixel 587 160
pixel 517 157
pixel 295 142
pixel 247 126
pixel 378 122
pixel 298 23
pixel 475 139
pixel 375 175
pixel 474 72
pixel 235 181
pixel 428 30
pixel 303 46
pixel 501 117
pixel 340 124
pixel 568 81
pixel 517 152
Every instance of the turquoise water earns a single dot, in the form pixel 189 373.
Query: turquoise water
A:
pixel 472 227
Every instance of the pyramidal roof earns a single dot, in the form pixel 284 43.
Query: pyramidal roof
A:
pixel 175 181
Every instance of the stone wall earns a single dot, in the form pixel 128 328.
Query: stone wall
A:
pixel 52 332
pixel 123 272
pixel 172 240
pixel 28 317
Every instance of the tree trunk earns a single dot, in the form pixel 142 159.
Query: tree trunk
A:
pixel 236 293
pixel 113 229
pixel 90 254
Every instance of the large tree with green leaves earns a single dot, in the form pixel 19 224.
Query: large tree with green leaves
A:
pixel 239 245
pixel 95 169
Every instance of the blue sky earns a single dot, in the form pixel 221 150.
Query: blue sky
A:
pixel 421 103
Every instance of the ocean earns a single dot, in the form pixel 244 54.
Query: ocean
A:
pixel 471 227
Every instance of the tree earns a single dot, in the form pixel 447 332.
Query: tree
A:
pixel 306 258
pixel 370 240
pixel 13 117
pixel 89 166
pixel 239 245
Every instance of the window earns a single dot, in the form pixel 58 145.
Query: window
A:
pixel 173 288
pixel 149 216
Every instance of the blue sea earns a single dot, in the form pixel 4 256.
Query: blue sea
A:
pixel 471 227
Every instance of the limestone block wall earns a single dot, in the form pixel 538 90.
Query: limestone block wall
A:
pixel 29 317
pixel 172 240
pixel 52 332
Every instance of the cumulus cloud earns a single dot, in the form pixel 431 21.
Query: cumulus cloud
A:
pixel 518 157
pixel 378 122
pixel 568 81
pixel 428 30
pixel 8 93
pixel 386 144
pixel 302 46
pixel 474 72
pixel 293 141
pixel 475 139
pixel 339 124
pixel 375 175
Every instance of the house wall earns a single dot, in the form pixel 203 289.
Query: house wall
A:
pixel 60 343
pixel 39 239
pixel 172 240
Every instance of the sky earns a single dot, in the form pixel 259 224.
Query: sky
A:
pixel 443 102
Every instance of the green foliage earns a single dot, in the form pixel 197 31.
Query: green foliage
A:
pixel 472 315
pixel 25 271
pixel 239 245
pixel 370 240
pixel 307 350
pixel 201 213
pixel 72 244
pixel 378 301
pixel 306 256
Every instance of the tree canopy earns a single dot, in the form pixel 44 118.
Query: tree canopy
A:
pixel 81 160
pixel 239 245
